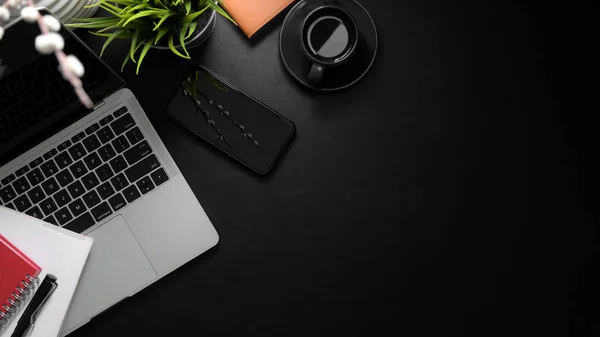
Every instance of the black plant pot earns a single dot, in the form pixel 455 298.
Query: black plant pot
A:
pixel 206 25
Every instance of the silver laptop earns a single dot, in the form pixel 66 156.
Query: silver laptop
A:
pixel 103 173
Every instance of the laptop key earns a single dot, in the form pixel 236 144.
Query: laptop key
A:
pixel 63 160
pixel 90 180
pixel 118 164
pixel 22 203
pixel 21 185
pixel 36 162
pixel 7 194
pixel 78 137
pixel 117 202
pixel 50 154
pixel 77 151
pixel 76 189
pixel 131 193
pixel 145 185
pixel 77 207
pixel 134 135
pixel 78 169
pixel 105 190
pixel 119 182
pixel 142 168
pixel 137 152
pixel 35 176
pixel 121 144
pixel 81 223
pixel 64 177
pixel 106 120
pixel 63 216
pixel 120 112
pixel 50 186
pixel 91 199
pixel 49 168
pixel 51 220
pixel 93 128
pixel 48 206
pixel 11 206
pixel 22 170
pixel 35 212
pixel 122 124
pixel 62 198
pixel 64 145
pixel 101 211
pixel 104 172
pixel 92 161
pixel 36 194
pixel 159 176
pixel 9 179
pixel 105 134
pixel 91 143
pixel 106 152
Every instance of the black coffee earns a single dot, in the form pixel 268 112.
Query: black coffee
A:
pixel 328 37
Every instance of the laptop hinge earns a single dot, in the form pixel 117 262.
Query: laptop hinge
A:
pixel 99 105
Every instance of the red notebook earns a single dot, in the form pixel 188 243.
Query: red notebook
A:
pixel 17 273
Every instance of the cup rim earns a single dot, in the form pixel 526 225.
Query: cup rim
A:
pixel 346 55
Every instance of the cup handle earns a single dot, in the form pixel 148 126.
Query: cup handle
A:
pixel 316 73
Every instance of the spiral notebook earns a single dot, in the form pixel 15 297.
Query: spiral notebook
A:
pixel 47 247
pixel 18 279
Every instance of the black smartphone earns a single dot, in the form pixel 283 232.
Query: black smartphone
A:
pixel 231 120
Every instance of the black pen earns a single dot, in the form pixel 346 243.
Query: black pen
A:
pixel 29 316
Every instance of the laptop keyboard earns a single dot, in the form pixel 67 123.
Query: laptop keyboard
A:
pixel 87 178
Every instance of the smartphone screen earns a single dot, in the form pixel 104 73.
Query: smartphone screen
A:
pixel 231 120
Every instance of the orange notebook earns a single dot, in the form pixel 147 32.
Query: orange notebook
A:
pixel 252 15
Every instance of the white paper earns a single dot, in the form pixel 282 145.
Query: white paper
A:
pixel 58 252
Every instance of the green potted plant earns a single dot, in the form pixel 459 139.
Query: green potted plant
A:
pixel 164 24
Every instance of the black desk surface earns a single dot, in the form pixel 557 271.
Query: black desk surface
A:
pixel 446 194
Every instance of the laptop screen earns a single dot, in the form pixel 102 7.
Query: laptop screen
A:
pixel 35 101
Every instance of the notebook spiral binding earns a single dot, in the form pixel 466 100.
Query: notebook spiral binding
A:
pixel 19 297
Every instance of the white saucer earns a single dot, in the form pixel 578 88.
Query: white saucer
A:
pixel 75 10
pixel 66 9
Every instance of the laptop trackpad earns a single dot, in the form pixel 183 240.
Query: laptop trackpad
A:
pixel 116 267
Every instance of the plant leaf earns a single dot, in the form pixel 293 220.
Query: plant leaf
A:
pixel 160 3
pixel 110 8
pixel 163 20
pixel 93 19
pixel 192 29
pixel 99 24
pixel 193 16
pixel 111 4
pixel 174 50
pixel 188 7
pixel 110 39
pixel 134 45
pixel 221 11
pixel 127 58
pixel 147 45
pixel 106 29
pixel 130 9
pixel 120 2
pixel 125 62
pixel 143 14
pixel 182 34
pixel 161 32
pixel 125 35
